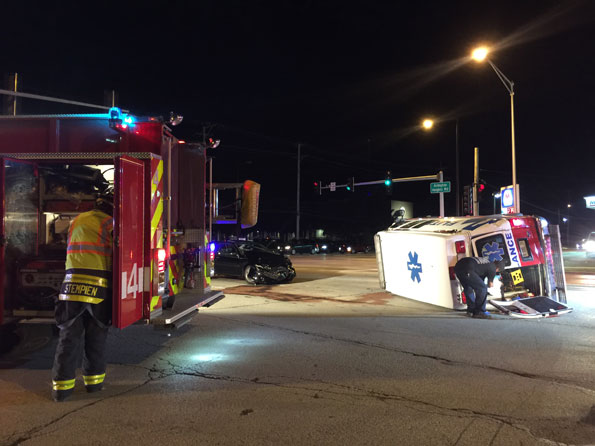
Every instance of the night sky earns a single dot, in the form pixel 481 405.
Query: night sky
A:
pixel 350 81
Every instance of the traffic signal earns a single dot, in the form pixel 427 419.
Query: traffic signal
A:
pixel 318 187
pixel 388 182
pixel 468 200
pixel 350 184
pixel 213 143
pixel 481 186
pixel 250 199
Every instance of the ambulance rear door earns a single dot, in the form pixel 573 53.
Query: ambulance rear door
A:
pixel 129 268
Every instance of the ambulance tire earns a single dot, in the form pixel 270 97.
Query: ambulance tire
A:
pixel 249 273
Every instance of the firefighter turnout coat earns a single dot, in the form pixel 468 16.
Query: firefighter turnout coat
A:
pixel 88 259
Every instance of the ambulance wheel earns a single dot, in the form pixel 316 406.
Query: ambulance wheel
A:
pixel 250 274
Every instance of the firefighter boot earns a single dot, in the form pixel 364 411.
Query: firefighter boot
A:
pixel 94 383
pixel 61 395
pixel 94 388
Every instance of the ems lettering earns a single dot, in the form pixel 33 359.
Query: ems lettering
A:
pixel 511 248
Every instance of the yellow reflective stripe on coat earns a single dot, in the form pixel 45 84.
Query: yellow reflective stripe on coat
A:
pixel 93 379
pixel 63 385
pixel 80 298
pixel 84 278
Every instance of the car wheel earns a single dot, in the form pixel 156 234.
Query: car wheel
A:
pixel 250 274
pixel 289 277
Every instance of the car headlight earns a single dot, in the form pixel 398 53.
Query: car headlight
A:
pixel 590 245
pixel 288 247
pixel 349 249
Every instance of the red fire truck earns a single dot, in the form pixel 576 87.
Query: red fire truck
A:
pixel 51 168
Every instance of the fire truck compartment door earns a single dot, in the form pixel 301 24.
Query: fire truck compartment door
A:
pixel 128 241
pixel 19 218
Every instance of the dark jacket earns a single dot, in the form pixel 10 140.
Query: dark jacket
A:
pixel 479 265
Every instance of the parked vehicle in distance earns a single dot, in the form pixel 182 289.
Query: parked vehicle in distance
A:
pixel 589 245
pixel 277 246
pixel 361 246
pixel 327 246
pixel 253 262
pixel 301 246
pixel 344 247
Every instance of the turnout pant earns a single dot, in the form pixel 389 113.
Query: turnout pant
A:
pixel 79 324
pixel 475 290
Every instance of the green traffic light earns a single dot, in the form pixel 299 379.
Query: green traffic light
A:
pixel 387 182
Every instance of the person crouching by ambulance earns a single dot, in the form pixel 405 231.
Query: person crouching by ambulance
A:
pixel 472 272
pixel 84 307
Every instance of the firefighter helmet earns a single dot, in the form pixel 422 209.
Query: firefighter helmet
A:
pixel 105 200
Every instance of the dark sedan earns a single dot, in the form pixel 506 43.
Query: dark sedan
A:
pixel 251 261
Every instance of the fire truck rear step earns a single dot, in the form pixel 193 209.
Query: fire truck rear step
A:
pixel 186 303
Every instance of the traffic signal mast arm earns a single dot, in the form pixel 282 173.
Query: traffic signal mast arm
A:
pixel 395 180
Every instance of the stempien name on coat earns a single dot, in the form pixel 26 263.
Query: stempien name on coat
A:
pixel 81 289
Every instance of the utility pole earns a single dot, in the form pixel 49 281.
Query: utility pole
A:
pixel 475 183
pixel 297 212
pixel 441 179
pixel 9 103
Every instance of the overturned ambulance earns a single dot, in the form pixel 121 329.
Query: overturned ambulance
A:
pixel 416 258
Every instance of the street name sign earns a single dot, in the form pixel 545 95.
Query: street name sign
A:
pixel 440 187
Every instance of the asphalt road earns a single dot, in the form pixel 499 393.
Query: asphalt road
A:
pixel 328 359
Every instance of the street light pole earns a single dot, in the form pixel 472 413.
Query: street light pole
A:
pixel 297 210
pixel 509 85
pixel 479 55
pixel 458 199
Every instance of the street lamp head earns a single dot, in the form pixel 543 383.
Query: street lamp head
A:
pixel 480 54
pixel 427 124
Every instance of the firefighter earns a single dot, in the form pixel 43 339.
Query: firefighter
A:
pixel 83 310
pixel 472 272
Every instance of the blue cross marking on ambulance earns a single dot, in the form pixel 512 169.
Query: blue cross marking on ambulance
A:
pixel 414 266
pixel 492 251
